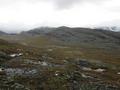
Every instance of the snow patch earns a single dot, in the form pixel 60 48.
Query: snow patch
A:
pixel 85 76
pixel 86 69
pixel 99 70
pixel 16 55
pixel 118 73
pixel 1 70
pixel 44 64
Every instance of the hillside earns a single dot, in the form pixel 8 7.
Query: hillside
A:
pixel 38 31
pixel 86 36
pixel 2 33
pixel 62 58
pixel 76 36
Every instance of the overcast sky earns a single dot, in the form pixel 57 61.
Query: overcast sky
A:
pixel 16 15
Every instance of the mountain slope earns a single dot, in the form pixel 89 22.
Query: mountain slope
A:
pixel 68 36
pixel 38 31
pixel 112 28
pixel 2 33
pixel 77 36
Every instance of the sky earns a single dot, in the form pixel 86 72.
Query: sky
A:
pixel 19 15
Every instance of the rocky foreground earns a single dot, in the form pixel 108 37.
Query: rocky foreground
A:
pixel 23 69
pixel 60 58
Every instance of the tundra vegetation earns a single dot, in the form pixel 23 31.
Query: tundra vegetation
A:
pixel 60 59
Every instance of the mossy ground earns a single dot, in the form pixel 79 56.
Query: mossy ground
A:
pixel 63 71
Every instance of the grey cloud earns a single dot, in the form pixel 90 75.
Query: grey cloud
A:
pixel 62 4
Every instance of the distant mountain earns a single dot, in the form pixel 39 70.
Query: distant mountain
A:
pixel 38 31
pixel 78 36
pixel 84 35
pixel 2 33
pixel 112 28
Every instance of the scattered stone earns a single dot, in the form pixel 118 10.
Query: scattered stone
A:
pixel 13 55
pixel 1 69
pixel 56 73
pixel 50 50
pixel 85 76
pixel 86 69
pixel 65 61
pixel 16 55
pixel 2 72
pixel 118 73
pixel 21 72
pixel 19 49
pixel 44 64
pixel 20 54
pixel 99 70
pixel 18 86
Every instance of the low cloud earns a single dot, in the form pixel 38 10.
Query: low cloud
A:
pixel 63 4
pixel 60 4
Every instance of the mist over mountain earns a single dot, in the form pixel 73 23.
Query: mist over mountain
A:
pixel 111 28
pixel 2 33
